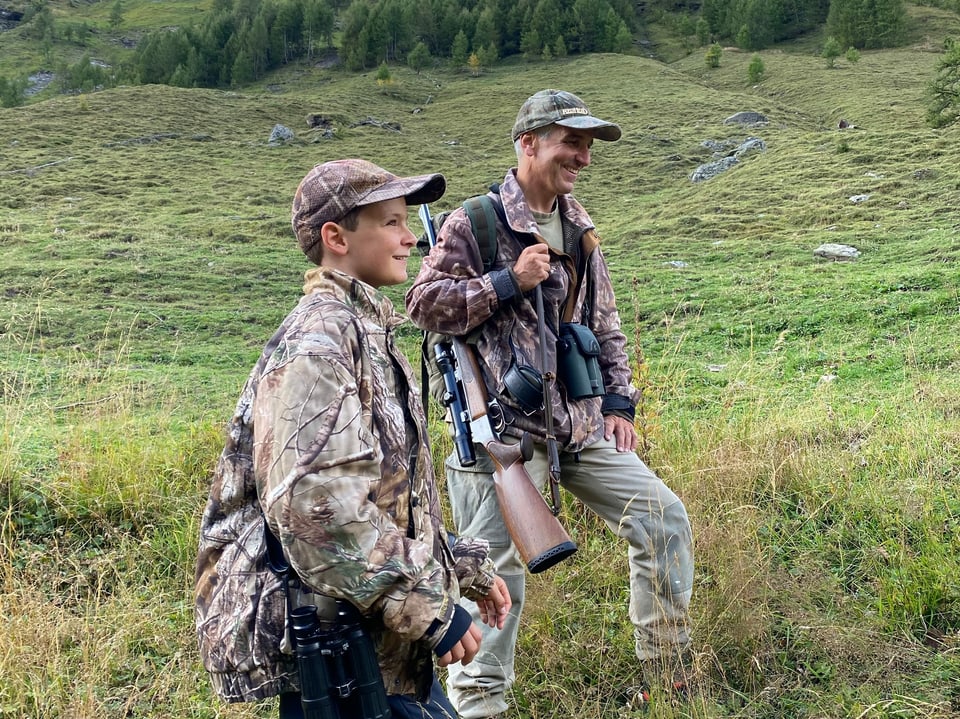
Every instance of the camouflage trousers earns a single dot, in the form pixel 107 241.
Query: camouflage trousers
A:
pixel 637 507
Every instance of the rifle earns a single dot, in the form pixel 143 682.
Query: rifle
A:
pixel 547 377
pixel 535 530
pixel 453 401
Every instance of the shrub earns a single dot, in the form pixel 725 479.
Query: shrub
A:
pixel 713 55
pixel 755 69
pixel 831 51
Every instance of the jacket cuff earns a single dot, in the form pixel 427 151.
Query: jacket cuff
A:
pixel 474 569
pixel 482 581
pixel 504 284
pixel 618 405
pixel 458 626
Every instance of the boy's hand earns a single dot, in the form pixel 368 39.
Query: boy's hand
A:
pixel 496 605
pixel 463 651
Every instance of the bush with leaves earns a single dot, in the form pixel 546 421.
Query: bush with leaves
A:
pixel 384 78
pixel 12 92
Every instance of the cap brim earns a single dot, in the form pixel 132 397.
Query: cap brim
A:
pixel 415 190
pixel 600 129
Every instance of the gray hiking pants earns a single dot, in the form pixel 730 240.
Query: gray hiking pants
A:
pixel 635 504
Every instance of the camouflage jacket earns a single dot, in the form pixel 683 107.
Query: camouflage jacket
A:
pixel 329 438
pixel 453 296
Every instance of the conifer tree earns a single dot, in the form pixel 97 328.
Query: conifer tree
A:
pixel 530 44
pixel 116 14
pixel 559 47
pixel 831 51
pixel 867 23
pixel 12 92
pixel 944 91
pixel 755 70
pixel 713 55
pixel 488 55
pixel 458 52
pixel 418 58
pixel 474 63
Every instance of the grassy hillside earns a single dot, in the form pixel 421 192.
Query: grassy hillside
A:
pixel 805 410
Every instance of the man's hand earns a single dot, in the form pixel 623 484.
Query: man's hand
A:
pixel 463 651
pixel 495 606
pixel 623 430
pixel 532 266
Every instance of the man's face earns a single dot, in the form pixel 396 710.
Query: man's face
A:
pixel 556 160
pixel 379 249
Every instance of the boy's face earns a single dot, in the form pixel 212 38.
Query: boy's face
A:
pixel 379 249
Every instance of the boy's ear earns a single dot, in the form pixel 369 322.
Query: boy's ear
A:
pixel 334 239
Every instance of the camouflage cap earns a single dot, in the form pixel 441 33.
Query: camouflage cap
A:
pixel 331 190
pixel 556 107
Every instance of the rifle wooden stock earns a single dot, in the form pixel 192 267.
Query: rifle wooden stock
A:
pixel 540 538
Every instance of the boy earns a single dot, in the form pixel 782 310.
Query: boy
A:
pixel 339 446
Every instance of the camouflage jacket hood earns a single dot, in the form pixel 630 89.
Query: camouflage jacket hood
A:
pixel 331 431
pixel 452 295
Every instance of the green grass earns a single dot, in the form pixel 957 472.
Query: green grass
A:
pixel 805 410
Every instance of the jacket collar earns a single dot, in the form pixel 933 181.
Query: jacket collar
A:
pixel 364 298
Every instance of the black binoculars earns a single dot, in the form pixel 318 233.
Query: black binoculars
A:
pixel 339 674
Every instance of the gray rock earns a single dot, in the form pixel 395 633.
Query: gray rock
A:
pixel 38 82
pixel 857 199
pixel 749 147
pixel 746 118
pixel 712 169
pixel 836 252
pixel 280 135
pixel 718 147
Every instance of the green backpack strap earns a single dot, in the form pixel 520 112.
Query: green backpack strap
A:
pixel 483 220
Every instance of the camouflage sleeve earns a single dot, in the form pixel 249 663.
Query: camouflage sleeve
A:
pixel 317 463
pixel 614 363
pixel 450 294
pixel 475 570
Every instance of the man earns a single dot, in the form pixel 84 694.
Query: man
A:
pixel 338 437
pixel 551 243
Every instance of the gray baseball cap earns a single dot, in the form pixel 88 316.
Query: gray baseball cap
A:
pixel 332 189
pixel 557 107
